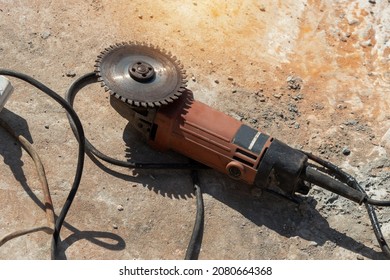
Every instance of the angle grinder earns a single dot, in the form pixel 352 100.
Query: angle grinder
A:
pixel 148 87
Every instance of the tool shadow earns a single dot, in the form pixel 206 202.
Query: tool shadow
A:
pixel 282 216
pixel 289 219
pixel 279 215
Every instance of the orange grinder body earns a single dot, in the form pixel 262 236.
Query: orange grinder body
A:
pixel 211 137
pixel 223 143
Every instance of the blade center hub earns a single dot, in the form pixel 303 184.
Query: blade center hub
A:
pixel 142 72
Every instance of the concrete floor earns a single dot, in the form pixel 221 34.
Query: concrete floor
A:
pixel 241 57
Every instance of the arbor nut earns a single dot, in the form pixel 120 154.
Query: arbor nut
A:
pixel 142 72
pixel 235 169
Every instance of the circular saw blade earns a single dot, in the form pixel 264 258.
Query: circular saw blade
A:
pixel 140 74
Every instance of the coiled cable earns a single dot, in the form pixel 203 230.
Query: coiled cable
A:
pixel 79 132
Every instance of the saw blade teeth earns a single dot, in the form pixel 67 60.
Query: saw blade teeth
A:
pixel 106 59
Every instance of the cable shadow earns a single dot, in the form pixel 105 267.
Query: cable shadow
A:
pixel 12 154
pixel 12 151
pixel 91 236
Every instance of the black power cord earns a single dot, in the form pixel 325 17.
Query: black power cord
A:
pixel 79 132
pixel 368 203
pixel 196 237
pixel 86 146
pixel 193 248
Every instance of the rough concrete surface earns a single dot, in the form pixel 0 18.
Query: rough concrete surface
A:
pixel 314 74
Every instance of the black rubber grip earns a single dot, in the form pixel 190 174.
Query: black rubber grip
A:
pixel 325 181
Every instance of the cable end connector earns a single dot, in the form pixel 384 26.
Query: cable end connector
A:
pixel 5 91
